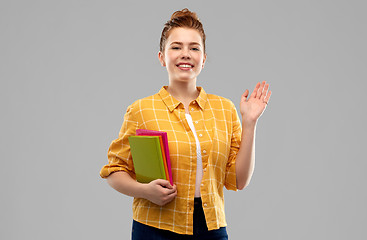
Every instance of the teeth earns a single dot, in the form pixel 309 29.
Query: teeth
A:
pixel 185 66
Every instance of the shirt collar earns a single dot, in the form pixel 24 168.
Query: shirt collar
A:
pixel 173 103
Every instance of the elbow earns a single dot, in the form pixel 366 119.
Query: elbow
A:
pixel 243 180
pixel 240 188
pixel 242 185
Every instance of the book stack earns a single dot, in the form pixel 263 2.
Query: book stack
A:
pixel 150 155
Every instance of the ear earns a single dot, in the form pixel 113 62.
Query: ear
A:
pixel 161 58
pixel 204 59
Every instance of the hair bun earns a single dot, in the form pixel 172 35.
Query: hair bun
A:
pixel 184 19
pixel 184 13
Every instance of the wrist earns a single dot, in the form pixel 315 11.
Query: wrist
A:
pixel 249 124
pixel 142 191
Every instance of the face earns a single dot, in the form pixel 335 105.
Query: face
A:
pixel 183 54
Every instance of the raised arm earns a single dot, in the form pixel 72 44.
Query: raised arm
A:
pixel 251 109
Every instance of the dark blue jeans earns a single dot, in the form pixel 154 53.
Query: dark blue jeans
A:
pixel 144 232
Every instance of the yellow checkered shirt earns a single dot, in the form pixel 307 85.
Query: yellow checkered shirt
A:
pixel 219 131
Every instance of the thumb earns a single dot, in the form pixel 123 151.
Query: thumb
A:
pixel 245 94
pixel 164 183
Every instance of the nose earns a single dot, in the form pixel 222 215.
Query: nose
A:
pixel 185 54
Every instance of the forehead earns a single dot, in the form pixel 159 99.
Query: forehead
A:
pixel 184 35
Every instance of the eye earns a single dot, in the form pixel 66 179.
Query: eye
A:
pixel 196 49
pixel 175 48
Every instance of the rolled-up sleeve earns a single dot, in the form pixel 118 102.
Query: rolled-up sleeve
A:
pixel 119 156
pixel 230 180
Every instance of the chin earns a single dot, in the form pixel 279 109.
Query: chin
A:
pixel 186 79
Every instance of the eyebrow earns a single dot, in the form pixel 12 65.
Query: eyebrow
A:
pixel 191 43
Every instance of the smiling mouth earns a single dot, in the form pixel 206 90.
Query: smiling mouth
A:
pixel 185 66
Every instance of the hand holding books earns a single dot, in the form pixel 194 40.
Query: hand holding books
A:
pixel 152 165
pixel 160 192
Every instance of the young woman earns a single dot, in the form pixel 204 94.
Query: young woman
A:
pixel 204 134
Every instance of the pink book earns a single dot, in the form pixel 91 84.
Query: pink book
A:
pixel 147 132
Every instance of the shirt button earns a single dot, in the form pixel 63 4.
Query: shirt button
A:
pixel 200 135
pixel 196 122
pixel 204 169
pixel 205 205
pixel 192 109
pixel 204 151
pixel 202 184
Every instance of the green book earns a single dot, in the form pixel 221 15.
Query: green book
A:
pixel 147 158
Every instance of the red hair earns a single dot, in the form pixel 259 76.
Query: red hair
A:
pixel 184 18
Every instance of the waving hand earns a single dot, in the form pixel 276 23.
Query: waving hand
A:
pixel 252 107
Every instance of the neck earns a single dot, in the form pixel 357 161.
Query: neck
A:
pixel 183 91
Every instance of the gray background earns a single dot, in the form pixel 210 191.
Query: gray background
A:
pixel 69 69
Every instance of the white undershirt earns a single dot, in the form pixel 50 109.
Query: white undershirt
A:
pixel 199 168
